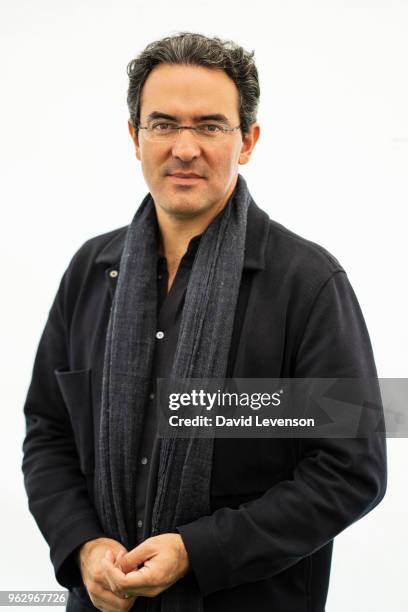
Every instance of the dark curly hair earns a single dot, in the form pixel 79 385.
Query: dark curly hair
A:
pixel 198 50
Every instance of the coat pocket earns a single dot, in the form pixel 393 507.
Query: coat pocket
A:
pixel 75 387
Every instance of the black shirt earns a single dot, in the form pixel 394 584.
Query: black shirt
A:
pixel 169 309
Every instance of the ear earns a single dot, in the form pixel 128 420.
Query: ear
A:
pixel 249 141
pixel 134 136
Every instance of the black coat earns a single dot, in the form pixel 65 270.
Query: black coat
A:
pixel 276 503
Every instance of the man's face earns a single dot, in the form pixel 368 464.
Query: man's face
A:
pixel 186 94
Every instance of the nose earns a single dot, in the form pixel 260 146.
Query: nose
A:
pixel 185 146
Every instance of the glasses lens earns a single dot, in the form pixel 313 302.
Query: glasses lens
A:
pixel 168 131
pixel 160 131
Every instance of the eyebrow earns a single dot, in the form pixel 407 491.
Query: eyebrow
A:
pixel 214 117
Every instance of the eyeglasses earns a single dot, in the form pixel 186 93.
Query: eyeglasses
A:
pixel 165 132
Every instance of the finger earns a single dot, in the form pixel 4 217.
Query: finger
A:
pixel 109 583
pixel 109 555
pixel 140 576
pixel 117 580
pixel 105 599
pixel 118 558
pixel 113 575
pixel 132 559
pixel 139 582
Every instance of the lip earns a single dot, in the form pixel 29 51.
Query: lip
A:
pixel 185 179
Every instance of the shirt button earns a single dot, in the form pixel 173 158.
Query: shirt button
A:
pixel 159 335
pixel 143 460
pixel 113 273
pixel 140 523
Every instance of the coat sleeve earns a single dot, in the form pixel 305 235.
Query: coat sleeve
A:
pixel 55 485
pixel 335 481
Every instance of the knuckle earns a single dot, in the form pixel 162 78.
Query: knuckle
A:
pixel 116 590
pixel 98 575
pixel 92 588
pixel 155 581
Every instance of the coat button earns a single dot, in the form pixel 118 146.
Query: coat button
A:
pixel 159 335
pixel 140 523
pixel 113 273
pixel 143 460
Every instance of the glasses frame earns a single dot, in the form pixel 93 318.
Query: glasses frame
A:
pixel 178 128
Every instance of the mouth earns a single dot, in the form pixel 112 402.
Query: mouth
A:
pixel 184 178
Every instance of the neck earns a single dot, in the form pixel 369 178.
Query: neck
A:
pixel 176 232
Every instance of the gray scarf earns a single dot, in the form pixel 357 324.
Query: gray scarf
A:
pixel 202 352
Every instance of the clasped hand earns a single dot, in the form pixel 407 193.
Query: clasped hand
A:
pixel 114 577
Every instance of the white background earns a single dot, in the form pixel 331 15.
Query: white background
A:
pixel 331 165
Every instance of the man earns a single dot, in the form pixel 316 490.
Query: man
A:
pixel 201 284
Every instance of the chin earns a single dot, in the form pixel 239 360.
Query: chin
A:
pixel 185 210
pixel 183 204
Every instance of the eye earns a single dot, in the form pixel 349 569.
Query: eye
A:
pixel 212 128
pixel 161 127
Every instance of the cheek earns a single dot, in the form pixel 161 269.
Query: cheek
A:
pixel 150 165
pixel 154 162
pixel 225 164
pixel 230 156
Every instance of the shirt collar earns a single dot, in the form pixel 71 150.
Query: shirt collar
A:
pixel 190 253
pixel 255 243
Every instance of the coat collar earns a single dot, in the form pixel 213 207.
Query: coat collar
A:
pixel 255 243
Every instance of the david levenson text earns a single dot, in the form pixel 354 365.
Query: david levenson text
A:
pixel 249 421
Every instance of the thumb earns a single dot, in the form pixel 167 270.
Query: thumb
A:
pixel 131 560
pixel 119 556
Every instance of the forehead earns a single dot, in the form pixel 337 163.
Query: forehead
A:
pixel 183 90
